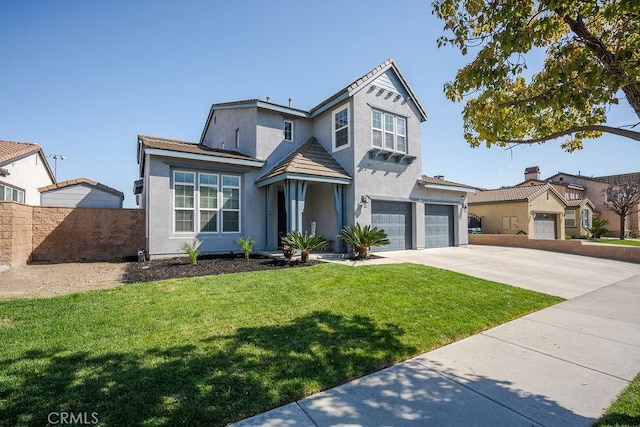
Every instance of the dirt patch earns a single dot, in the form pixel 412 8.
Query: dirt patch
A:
pixel 48 280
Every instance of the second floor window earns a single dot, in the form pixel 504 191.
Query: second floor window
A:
pixel 341 128
pixel 288 130
pixel 389 131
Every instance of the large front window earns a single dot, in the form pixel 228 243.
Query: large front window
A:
pixel 341 129
pixel 197 199
pixel 570 219
pixel 389 131
pixel 11 194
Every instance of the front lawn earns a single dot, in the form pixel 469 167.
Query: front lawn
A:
pixel 218 349
pixel 625 411
pixel 619 242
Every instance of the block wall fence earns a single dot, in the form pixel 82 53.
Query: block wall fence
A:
pixel 54 234
pixel 575 247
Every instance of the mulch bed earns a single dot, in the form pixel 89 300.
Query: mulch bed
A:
pixel 171 268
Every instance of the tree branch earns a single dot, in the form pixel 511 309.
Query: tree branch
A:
pixel 596 128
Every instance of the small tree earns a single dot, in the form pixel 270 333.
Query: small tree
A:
pixel 363 238
pixel 246 244
pixel 305 243
pixel 193 250
pixel 623 197
pixel 598 228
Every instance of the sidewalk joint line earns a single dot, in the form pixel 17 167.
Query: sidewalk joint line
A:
pixel 556 357
pixel 305 412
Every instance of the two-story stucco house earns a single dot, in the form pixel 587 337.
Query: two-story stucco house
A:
pixel 23 169
pixel 261 169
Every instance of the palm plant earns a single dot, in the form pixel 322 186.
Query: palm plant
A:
pixel 246 244
pixel 363 238
pixel 305 243
pixel 193 250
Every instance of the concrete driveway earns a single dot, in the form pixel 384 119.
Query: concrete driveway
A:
pixel 560 366
pixel 552 273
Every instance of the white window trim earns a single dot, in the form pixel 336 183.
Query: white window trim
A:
pixel 384 131
pixel 216 209
pixel 196 205
pixel 222 209
pixel 334 130
pixel 15 193
pixel 175 208
pixel 284 132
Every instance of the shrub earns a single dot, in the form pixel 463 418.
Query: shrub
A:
pixel 363 238
pixel 305 243
pixel 598 229
pixel 193 250
pixel 634 234
pixel 246 244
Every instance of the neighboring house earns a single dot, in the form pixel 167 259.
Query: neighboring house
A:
pixel 577 217
pixel 81 193
pixel 633 219
pixel 579 211
pixel 535 210
pixel 262 169
pixel 23 169
pixel 594 189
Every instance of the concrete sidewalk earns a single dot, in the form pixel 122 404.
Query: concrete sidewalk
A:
pixel 559 366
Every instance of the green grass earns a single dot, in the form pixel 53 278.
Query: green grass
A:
pixel 619 242
pixel 213 350
pixel 625 411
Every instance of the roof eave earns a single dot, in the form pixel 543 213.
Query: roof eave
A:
pixel 203 157
pixel 302 177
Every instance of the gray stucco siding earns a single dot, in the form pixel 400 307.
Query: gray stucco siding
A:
pixel 164 241
pixel 222 129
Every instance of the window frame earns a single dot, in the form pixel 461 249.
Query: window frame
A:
pixel 284 130
pixel 197 202
pixel 181 208
pixel 346 127
pixel 566 218
pixel 17 194
pixel 237 137
pixel 393 132
pixel 585 218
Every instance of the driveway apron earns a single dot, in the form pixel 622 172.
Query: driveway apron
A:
pixel 560 366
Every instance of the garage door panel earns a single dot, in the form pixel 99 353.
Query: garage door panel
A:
pixel 544 226
pixel 395 219
pixel 438 226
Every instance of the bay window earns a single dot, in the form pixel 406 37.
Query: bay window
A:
pixel 388 131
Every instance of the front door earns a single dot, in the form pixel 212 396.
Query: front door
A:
pixel 282 218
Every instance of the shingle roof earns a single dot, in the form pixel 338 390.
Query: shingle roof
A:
pixel 310 159
pixel 439 181
pixel 633 176
pixel 580 202
pixel 10 150
pixel 511 194
pixel 79 181
pixel 189 147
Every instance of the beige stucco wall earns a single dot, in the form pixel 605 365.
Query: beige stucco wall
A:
pixel 492 214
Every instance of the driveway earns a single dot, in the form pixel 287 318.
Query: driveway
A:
pixel 552 273
pixel 560 366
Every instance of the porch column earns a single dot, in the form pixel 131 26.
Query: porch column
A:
pixel 294 193
pixel 338 197
pixel 268 217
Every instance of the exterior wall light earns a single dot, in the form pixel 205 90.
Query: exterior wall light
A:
pixel 364 201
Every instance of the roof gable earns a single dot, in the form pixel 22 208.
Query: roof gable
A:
pixel 11 151
pixel 311 159
pixel 513 194
pixel 388 72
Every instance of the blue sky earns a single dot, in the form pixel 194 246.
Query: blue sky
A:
pixel 84 78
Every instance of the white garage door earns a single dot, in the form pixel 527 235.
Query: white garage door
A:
pixel 395 219
pixel 544 226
